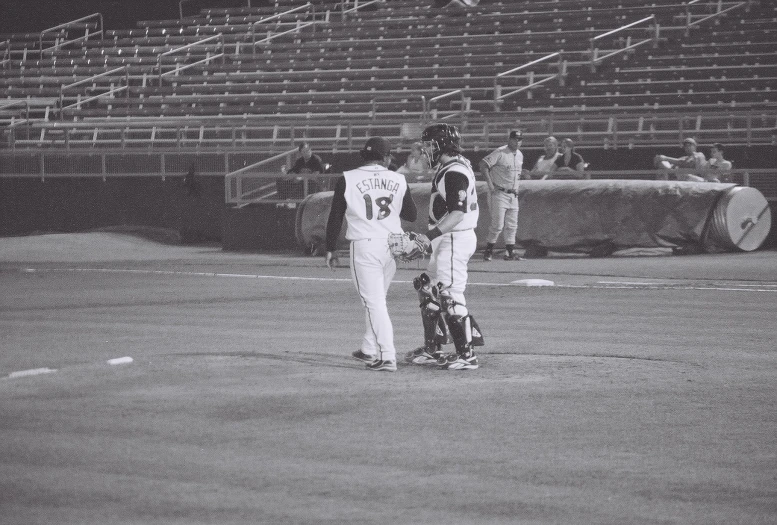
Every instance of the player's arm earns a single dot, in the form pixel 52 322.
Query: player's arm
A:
pixel 456 184
pixel 409 211
pixel 485 169
pixel 335 222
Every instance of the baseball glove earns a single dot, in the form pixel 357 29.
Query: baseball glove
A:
pixel 409 246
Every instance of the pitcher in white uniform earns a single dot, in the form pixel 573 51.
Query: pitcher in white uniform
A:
pixel 372 199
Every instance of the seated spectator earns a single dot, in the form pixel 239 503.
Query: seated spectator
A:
pixel 717 167
pixel 307 163
pixel 691 160
pixel 568 165
pixel 416 167
pixel 547 161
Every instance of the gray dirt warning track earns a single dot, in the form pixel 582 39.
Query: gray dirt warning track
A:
pixel 638 390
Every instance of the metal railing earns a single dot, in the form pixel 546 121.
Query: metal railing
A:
pixel 5 46
pixel 499 95
pixel 734 125
pixel 345 11
pixel 429 113
pixel 240 193
pixel 65 26
pixel 178 68
pixel 596 57
pixel 308 8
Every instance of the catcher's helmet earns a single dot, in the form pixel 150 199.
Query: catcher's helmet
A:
pixel 440 139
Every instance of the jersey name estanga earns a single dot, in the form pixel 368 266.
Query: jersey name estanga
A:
pixel 373 195
pixel 467 198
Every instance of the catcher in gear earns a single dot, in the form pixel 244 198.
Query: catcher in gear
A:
pixel 453 216
pixel 372 199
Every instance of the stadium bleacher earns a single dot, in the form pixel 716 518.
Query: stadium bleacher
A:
pixel 396 62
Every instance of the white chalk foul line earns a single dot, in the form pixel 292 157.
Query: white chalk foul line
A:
pixel 766 287
pixel 39 371
pixel 31 372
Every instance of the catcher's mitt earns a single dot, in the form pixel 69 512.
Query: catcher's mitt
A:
pixel 409 246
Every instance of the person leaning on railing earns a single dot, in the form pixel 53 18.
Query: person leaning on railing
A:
pixel 307 163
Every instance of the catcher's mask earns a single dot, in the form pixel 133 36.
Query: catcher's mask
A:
pixel 439 139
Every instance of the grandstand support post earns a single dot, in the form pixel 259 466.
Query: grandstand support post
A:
pixel 562 71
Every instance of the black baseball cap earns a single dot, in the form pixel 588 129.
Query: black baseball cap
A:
pixel 376 148
pixel 516 134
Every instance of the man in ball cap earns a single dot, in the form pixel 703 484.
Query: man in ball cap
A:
pixel 502 169
pixel 691 160
pixel 372 199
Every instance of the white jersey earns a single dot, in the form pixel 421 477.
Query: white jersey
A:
pixel 467 198
pixel 374 196
pixel 506 166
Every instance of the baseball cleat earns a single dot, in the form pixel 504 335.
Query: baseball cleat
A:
pixel 512 257
pixel 364 358
pixel 387 366
pixel 487 256
pixel 420 356
pixel 468 361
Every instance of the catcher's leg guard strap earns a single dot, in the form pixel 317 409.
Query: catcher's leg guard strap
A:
pixel 436 332
pixel 465 333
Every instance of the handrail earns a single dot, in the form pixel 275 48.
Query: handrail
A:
pixel 66 24
pixel 498 95
pixel 276 35
pixel 356 7
pixel 64 87
pixel 218 36
pixel 528 64
pixel 717 14
pixel 427 104
pixel 90 79
pixel 595 58
pixel 622 28
pixel 187 66
pixel 260 163
pixel 273 17
pixel 95 97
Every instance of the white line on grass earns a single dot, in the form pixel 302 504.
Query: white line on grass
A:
pixel 599 285
pixel 31 372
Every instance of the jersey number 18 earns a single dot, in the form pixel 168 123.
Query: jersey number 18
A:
pixel 382 203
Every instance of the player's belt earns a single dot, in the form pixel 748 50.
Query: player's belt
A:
pixel 499 188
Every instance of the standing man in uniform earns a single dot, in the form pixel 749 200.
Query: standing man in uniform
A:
pixel 372 199
pixel 502 169
pixel 453 216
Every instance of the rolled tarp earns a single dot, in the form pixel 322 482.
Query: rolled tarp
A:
pixel 600 216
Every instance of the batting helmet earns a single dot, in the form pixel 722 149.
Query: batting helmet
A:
pixel 439 139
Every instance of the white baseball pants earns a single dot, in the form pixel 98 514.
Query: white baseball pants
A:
pixel 372 269
pixel 450 254
pixel 503 208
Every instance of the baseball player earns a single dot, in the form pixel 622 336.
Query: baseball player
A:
pixel 453 216
pixel 502 169
pixel 372 199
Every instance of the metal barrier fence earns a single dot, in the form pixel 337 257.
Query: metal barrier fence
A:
pixel 251 186
pixel 49 164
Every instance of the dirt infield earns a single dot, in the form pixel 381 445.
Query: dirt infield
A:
pixel 635 390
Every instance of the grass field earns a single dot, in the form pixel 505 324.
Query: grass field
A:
pixel 638 389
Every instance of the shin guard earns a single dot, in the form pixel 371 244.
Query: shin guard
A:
pixel 436 331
